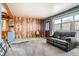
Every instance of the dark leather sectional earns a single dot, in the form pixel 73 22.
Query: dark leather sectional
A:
pixel 64 40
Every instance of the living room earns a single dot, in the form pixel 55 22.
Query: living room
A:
pixel 39 29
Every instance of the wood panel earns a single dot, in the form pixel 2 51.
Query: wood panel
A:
pixel 7 8
pixel 26 27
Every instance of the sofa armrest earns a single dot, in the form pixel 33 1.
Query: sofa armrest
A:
pixel 70 39
pixel 51 36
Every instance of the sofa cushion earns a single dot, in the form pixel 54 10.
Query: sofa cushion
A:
pixel 62 42
pixel 67 34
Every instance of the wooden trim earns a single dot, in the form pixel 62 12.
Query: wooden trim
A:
pixel 7 8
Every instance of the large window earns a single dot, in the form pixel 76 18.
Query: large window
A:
pixel 66 27
pixel 57 27
pixel 67 19
pixel 77 34
pixel 58 21
pixel 66 23
pixel 77 17
pixel 77 24
pixel 57 24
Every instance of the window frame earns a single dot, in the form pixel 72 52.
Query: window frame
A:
pixel 75 16
pixel 72 22
pixel 67 21
pixel 57 23
pixel 57 19
pixel 75 25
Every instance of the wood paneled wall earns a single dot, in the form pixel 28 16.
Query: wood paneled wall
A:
pixel 28 27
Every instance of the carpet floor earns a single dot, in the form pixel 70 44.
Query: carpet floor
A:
pixel 38 47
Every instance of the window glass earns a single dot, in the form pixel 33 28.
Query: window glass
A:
pixel 77 34
pixel 57 27
pixel 77 17
pixel 47 26
pixel 67 19
pixel 66 27
pixel 57 21
pixel 76 25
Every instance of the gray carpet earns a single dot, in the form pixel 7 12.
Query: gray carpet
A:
pixel 38 48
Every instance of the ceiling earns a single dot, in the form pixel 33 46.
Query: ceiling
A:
pixel 41 10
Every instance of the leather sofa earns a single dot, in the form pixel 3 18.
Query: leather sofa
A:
pixel 63 40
